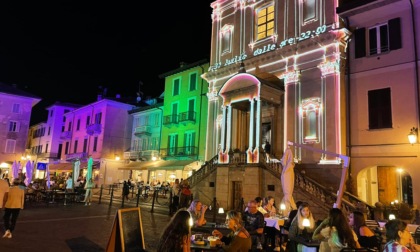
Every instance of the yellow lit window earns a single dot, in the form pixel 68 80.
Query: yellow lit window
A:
pixel 265 22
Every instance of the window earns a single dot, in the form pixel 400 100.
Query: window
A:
pixel 189 143
pixel 49 130
pixel 379 108
pixel 191 109
pixel 226 38
pixel 46 148
pixel 10 146
pixel 95 143
pixel 98 118
pixel 265 22
pixel 67 148
pixel 16 108
pixel 172 144
pixel 311 110
pixel 193 81
pixel 382 38
pixel 69 128
pixel 13 126
pixel 76 142
pixel 78 125
pixel 85 141
pixel 309 10
pixel 176 85
pixel 174 113
pixel 87 121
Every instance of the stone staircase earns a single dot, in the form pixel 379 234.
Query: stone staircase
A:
pixel 306 189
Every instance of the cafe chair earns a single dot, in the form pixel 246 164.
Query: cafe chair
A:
pixel 416 235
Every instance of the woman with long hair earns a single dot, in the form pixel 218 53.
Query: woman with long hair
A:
pixel 365 235
pixel 335 233
pixel 297 228
pixel 198 211
pixel 177 235
pixel 239 239
pixel 269 206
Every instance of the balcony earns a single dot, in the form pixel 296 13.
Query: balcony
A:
pixel 187 117
pixel 188 151
pixel 143 131
pixel 94 129
pixel 78 155
pixel 48 155
pixel 170 120
pixel 144 155
pixel 65 135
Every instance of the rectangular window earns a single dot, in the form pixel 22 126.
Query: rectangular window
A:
pixel 176 86
pixel 95 143
pixel 98 118
pixel 67 148
pixel 226 40
pixel 78 125
pixel 16 108
pixel 378 39
pixel 76 142
pixel 87 121
pixel 10 146
pixel 46 148
pixel 49 130
pixel 265 22
pixel 13 126
pixel 85 141
pixel 193 82
pixel 174 113
pixel 189 142
pixel 379 108
pixel 172 144
pixel 309 10
pixel 69 128
pixel 191 109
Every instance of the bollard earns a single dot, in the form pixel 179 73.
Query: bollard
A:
pixel 153 201
pixel 100 194
pixel 171 204
pixel 112 195
pixel 138 196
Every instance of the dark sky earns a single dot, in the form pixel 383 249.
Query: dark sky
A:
pixel 64 50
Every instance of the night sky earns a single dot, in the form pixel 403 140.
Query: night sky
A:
pixel 72 48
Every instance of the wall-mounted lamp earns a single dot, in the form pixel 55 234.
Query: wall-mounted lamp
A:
pixel 412 136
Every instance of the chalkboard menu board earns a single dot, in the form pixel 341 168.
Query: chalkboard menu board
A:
pixel 127 232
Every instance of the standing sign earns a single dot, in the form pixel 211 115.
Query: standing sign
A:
pixel 127 231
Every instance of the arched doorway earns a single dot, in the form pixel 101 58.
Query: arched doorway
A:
pixel 384 184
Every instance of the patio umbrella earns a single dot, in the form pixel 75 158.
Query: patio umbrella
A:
pixel 288 180
pixel 89 169
pixel 47 173
pixel 29 172
pixel 76 170
pixel 15 169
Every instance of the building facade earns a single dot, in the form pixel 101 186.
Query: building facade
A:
pixel 383 89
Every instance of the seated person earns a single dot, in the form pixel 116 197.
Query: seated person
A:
pixel 259 201
pixel 298 231
pixel 366 236
pixel 197 211
pixel 269 207
pixel 254 224
pixel 239 238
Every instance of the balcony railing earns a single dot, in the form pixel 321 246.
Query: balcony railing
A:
pixel 179 151
pixel 144 155
pixel 188 116
pixel 170 119
pixel 48 155
pixel 78 155
pixel 143 131
pixel 65 135
pixel 94 129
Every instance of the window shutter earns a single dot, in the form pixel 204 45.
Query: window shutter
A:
pixel 360 44
pixel 395 34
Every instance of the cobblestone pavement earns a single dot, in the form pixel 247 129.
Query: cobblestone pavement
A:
pixel 74 227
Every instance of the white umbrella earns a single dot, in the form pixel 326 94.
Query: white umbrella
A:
pixel 15 169
pixel 29 172
pixel 76 170
pixel 47 173
pixel 288 180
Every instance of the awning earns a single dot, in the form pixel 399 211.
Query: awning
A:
pixel 160 165
pixel 69 166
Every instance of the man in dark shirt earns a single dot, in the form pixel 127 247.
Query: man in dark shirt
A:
pixel 254 224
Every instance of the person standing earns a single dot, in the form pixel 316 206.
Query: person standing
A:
pixel 126 190
pixel 88 195
pixel 15 200
pixel 185 197
pixel 69 188
pixel 4 189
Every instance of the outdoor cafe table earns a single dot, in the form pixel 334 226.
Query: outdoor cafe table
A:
pixel 205 247
pixel 275 222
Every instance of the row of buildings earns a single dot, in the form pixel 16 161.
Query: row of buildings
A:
pixel 327 78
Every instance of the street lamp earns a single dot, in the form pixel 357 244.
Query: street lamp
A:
pixel 412 136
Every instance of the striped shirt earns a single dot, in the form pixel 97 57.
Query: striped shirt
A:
pixel 394 246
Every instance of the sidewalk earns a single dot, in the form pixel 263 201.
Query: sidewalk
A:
pixel 74 227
